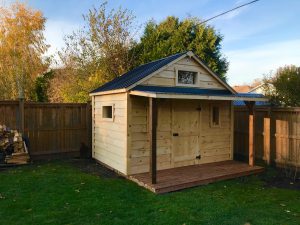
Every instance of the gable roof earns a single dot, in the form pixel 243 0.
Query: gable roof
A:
pixel 138 73
pixel 132 78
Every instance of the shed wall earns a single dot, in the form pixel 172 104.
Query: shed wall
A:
pixel 215 143
pixel 168 76
pixel 139 148
pixel 110 137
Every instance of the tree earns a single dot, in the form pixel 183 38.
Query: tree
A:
pixel 283 88
pixel 173 36
pixel 95 54
pixel 22 45
pixel 42 84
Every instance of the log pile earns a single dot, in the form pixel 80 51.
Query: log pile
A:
pixel 13 149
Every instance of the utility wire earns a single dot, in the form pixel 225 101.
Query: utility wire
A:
pixel 221 14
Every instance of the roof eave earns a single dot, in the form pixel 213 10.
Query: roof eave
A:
pixel 191 96
pixel 122 90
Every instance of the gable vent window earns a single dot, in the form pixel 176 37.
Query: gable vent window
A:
pixel 107 112
pixel 215 116
pixel 188 78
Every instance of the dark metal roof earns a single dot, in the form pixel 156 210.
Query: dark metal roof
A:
pixel 140 72
pixel 194 91
pixel 257 103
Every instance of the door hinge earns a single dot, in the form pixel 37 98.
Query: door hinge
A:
pixel 198 157
pixel 175 134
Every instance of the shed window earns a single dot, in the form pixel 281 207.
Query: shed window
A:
pixel 186 77
pixel 107 112
pixel 215 116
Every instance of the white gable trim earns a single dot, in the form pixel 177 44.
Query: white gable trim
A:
pixel 108 92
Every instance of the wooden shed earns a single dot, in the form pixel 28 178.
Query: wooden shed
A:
pixel 168 124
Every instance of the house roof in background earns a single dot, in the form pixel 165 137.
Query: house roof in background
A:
pixel 242 88
pixel 253 89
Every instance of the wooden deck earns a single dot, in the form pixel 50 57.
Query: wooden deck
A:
pixel 190 176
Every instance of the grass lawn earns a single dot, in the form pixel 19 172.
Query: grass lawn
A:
pixel 60 193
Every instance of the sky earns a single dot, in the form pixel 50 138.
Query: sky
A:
pixel 258 38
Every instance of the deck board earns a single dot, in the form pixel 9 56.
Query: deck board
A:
pixel 190 176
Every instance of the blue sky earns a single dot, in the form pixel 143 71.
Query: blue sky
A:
pixel 257 38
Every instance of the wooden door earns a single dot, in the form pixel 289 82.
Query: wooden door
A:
pixel 185 132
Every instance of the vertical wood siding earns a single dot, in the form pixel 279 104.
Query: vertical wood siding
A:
pixel 50 128
pixel 284 132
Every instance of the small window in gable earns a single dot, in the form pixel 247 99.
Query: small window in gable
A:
pixel 187 78
pixel 107 112
pixel 215 116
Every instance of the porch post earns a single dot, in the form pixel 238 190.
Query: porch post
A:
pixel 250 106
pixel 267 137
pixel 152 137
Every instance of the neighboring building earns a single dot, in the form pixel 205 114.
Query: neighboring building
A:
pixel 193 108
pixel 242 88
pixel 258 89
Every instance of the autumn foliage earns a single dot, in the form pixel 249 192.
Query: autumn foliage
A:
pixel 22 45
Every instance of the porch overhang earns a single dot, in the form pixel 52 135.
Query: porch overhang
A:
pixel 156 92
pixel 194 93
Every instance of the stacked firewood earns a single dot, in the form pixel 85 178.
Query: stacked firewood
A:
pixel 11 143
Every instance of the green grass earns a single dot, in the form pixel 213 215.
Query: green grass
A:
pixel 58 193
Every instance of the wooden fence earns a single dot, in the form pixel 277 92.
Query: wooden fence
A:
pixel 277 134
pixel 52 128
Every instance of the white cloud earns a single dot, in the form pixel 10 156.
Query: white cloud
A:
pixel 250 63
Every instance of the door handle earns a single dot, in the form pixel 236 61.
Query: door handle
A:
pixel 175 134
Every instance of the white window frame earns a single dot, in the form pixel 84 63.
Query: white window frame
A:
pixel 212 117
pixel 112 113
pixel 196 84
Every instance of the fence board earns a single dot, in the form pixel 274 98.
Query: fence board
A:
pixel 52 128
pixel 284 134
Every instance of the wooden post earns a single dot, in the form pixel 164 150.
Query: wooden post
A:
pixel 250 106
pixel 89 125
pixel 267 139
pixel 152 137
pixel 21 115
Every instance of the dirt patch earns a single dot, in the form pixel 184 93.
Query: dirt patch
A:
pixel 92 167
pixel 280 180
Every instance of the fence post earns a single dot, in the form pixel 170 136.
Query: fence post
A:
pixel 267 138
pixel 251 136
pixel 21 115
pixel 89 125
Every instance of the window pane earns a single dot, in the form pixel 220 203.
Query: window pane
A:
pixel 215 116
pixel 187 77
pixel 107 112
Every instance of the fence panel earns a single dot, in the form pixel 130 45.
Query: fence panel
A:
pixel 52 128
pixel 284 134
